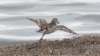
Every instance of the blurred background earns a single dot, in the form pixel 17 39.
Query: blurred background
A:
pixel 81 16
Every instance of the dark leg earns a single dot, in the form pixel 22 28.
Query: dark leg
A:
pixel 42 37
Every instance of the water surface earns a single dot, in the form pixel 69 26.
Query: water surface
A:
pixel 81 16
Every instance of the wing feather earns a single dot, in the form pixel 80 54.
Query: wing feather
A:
pixel 64 28
pixel 39 22
pixel 36 21
pixel 42 22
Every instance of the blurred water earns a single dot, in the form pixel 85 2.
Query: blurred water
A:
pixel 82 16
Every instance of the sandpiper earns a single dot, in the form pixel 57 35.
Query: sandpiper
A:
pixel 47 28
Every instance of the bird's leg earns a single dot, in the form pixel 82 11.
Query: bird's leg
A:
pixel 42 37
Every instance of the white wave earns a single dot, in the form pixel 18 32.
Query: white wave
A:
pixel 74 24
pixel 86 1
pixel 47 1
pixel 67 1
pixel 44 13
pixel 47 13
pixel 92 23
pixel 22 37
pixel 10 1
pixel 16 1
pixel 11 27
pixel 83 13
pixel 56 35
pixel 92 31
pixel 19 37
pixel 50 36
pixel 3 15
pixel 86 13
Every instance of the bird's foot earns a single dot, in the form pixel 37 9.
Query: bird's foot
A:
pixel 40 40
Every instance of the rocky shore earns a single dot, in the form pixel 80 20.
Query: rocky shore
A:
pixel 86 45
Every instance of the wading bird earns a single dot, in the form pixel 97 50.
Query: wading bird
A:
pixel 47 28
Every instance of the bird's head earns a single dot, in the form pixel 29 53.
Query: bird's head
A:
pixel 55 20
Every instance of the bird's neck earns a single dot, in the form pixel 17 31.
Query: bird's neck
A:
pixel 53 23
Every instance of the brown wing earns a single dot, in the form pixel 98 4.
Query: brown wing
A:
pixel 42 22
pixel 64 28
pixel 36 21
pixel 39 22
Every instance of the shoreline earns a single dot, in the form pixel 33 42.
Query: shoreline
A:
pixel 86 45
